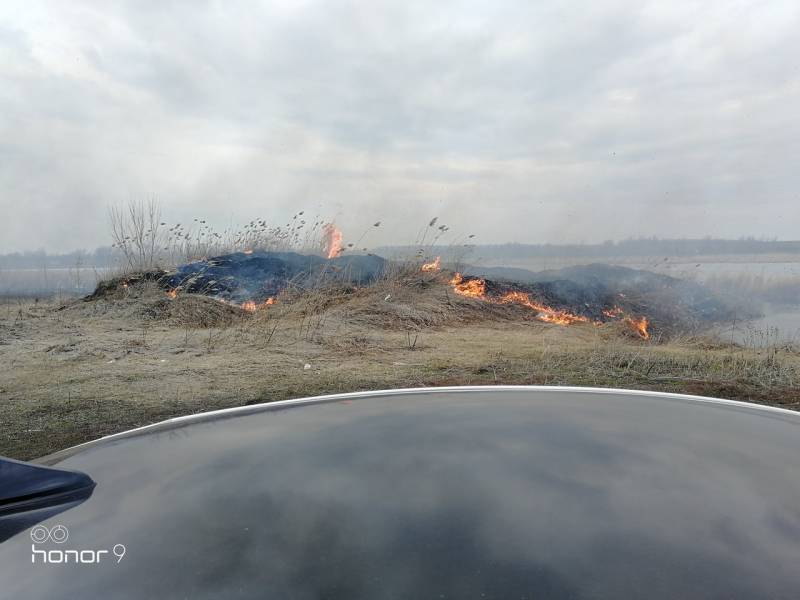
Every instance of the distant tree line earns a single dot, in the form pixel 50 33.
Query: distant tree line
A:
pixel 630 247
pixel 107 256
pixel 102 257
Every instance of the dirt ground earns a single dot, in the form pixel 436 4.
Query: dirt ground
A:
pixel 75 371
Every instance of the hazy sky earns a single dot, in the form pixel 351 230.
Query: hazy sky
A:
pixel 517 121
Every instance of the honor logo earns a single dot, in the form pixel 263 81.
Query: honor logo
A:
pixel 60 534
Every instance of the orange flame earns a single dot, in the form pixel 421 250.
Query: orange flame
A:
pixel 547 314
pixel 639 326
pixel 252 306
pixel 433 267
pixel 473 288
pixel 248 251
pixel 476 288
pixel 331 240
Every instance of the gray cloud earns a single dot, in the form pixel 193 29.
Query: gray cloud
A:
pixel 521 121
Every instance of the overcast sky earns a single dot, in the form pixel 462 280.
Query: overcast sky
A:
pixel 516 121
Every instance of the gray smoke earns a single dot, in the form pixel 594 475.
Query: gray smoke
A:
pixel 517 121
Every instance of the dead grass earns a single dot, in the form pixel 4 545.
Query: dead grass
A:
pixel 77 371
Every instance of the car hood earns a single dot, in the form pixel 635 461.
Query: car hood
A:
pixel 501 492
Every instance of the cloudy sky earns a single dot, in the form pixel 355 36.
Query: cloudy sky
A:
pixel 517 121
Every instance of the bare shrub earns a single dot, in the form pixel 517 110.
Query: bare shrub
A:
pixel 138 233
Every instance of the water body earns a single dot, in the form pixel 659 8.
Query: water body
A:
pixel 49 282
pixel 780 325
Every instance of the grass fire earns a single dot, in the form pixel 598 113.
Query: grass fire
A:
pixel 263 320
pixel 477 288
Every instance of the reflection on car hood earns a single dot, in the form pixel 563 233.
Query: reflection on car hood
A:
pixel 449 493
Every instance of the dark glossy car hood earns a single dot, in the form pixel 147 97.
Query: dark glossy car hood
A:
pixel 451 493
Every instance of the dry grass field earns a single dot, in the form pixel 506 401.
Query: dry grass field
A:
pixel 77 370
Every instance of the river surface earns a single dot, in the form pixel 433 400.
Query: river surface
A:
pixel 50 282
pixel 779 326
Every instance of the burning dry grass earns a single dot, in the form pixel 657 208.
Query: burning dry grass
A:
pixel 85 369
